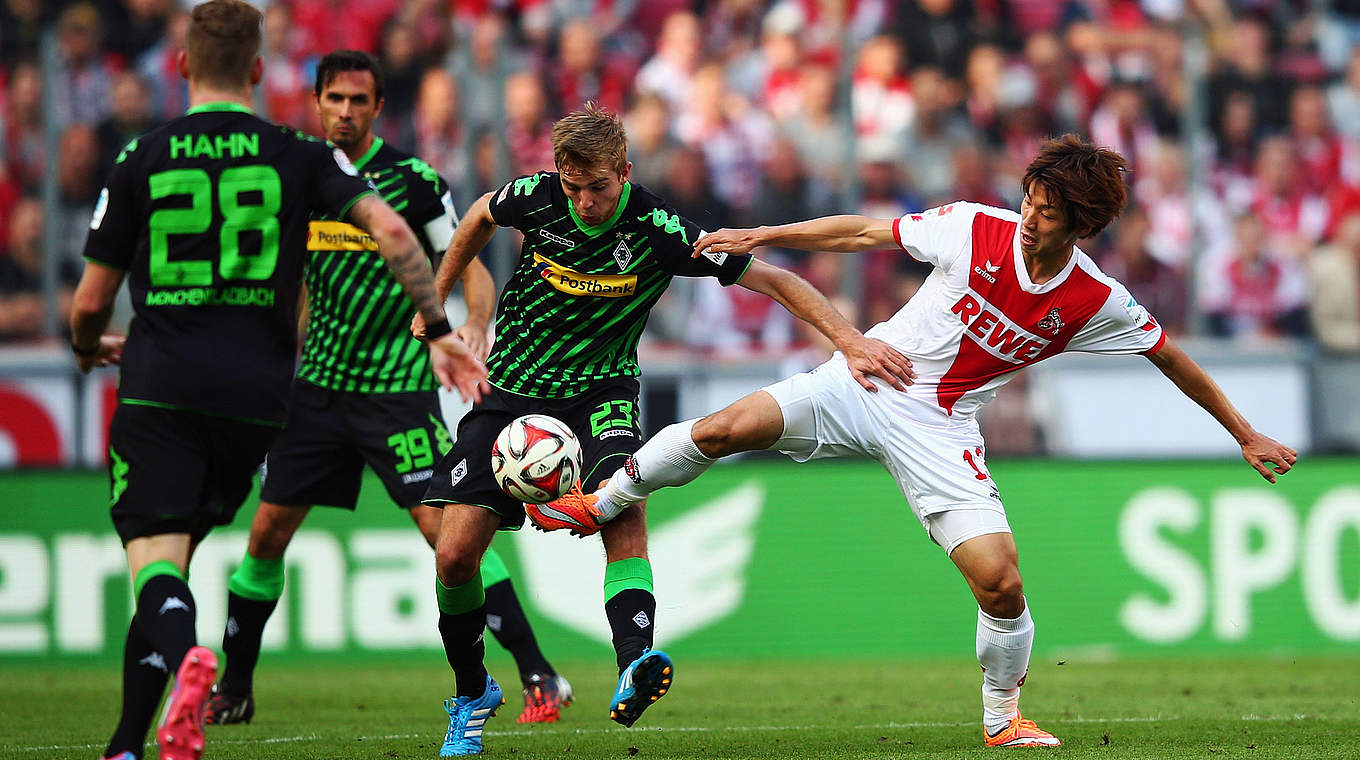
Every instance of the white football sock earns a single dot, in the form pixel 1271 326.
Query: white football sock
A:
pixel 1003 648
pixel 670 458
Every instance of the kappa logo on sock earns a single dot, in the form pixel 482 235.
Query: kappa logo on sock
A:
pixel 493 622
pixel 173 603
pixel 154 660
pixel 641 619
pixel 630 468
pixel 459 472
pixel 233 627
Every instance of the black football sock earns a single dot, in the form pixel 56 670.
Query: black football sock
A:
pixel 465 648
pixel 505 617
pixel 166 613
pixel 241 642
pixel 144 678
pixel 631 613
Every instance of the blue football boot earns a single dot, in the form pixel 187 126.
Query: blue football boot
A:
pixel 466 718
pixel 643 682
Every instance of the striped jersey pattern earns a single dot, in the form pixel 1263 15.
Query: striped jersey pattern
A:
pixel 358 334
pixel 574 309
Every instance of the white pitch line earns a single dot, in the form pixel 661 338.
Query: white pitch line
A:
pixel 562 731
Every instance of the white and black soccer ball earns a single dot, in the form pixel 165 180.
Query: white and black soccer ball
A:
pixel 536 458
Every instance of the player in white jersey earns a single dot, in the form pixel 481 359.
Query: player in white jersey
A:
pixel 1007 290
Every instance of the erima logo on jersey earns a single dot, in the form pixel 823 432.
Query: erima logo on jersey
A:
pixel 173 603
pixel 575 283
pixel 995 333
pixel 338 236
pixel 987 273
pixel 556 238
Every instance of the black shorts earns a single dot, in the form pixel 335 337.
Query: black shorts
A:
pixel 604 418
pixel 176 471
pixel 319 459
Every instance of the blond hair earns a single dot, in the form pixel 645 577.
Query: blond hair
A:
pixel 592 138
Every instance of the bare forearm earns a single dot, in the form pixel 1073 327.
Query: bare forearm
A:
pixel 480 292
pixel 89 323
pixel 471 236
pixel 844 233
pixel 403 253
pixel 1196 384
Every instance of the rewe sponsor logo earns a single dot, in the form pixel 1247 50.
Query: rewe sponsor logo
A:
pixel 996 333
pixel 581 284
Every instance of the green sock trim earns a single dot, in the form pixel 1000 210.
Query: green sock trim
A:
pixel 258 579
pixel 493 569
pixel 460 599
pixel 634 572
pixel 159 567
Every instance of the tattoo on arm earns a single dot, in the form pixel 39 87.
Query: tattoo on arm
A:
pixel 403 253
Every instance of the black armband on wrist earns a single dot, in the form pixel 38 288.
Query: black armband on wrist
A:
pixel 437 330
pixel 84 353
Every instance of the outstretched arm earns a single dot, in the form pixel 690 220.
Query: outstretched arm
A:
pixel 845 233
pixel 865 356
pixel 1260 451
pixel 453 362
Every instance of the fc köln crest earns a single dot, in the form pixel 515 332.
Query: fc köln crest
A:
pixel 1053 322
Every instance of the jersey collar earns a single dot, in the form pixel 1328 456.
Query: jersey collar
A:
pixel 606 224
pixel 370 153
pixel 218 106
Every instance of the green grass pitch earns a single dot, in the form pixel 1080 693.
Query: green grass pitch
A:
pixel 389 707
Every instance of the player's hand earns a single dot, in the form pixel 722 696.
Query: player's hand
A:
pixel 474 336
pixel 1268 456
pixel 730 241
pixel 110 352
pixel 418 327
pixel 872 357
pixel 457 368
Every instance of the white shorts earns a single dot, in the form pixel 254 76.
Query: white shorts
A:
pixel 938 461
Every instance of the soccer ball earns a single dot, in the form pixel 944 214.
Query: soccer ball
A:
pixel 536 459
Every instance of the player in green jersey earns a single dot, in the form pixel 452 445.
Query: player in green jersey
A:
pixel 365 394
pixel 206 218
pixel 598 252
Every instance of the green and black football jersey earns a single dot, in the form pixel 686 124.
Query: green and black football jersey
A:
pixel 358 331
pixel 208 216
pixel 573 311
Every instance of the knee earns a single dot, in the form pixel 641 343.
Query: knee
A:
pixel 717 435
pixel 1001 593
pixel 455 566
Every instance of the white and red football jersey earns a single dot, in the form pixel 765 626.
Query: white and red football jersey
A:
pixel 978 319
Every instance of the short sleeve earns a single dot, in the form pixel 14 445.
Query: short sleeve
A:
pixel 674 246
pixel 518 197
pixel 439 228
pixel 937 236
pixel 114 225
pixel 1122 326
pixel 336 186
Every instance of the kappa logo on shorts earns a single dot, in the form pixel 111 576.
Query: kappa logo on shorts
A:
pixel 154 660
pixel 417 476
pixel 617 432
pixel 459 472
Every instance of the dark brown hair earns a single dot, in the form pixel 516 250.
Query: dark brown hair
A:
pixel 223 40
pixel 337 61
pixel 1085 181
pixel 592 138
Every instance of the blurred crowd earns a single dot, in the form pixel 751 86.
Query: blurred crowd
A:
pixel 756 112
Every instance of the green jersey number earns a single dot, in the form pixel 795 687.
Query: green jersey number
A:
pixel 411 449
pixel 613 414
pixel 259 215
